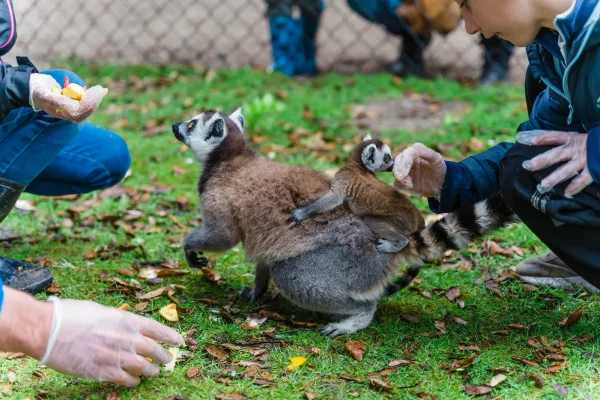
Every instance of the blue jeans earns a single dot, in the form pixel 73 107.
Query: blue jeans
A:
pixel 56 157
pixel 381 12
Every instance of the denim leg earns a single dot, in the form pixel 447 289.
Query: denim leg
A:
pixel 30 140
pixel 95 159
pixel 381 12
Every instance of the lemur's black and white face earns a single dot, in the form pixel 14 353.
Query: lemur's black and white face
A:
pixel 206 131
pixel 377 157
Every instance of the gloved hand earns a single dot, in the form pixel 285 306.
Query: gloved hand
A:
pixel 420 170
pixel 43 97
pixel 101 343
pixel 571 148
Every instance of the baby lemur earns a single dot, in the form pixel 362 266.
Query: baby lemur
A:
pixel 329 263
pixel 389 214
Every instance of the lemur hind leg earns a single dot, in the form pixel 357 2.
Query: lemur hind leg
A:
pixel 390 232
pixel 261 283
pixel 353 323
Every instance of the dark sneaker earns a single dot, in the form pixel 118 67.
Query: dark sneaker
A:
pixel 549 270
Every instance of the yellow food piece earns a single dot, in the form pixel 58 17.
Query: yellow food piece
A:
pixel 295 362
pixel 170 313
pixel 125 307
pixel 73 91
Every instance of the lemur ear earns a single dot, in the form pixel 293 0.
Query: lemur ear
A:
pixel 369 154
pixel 368 137
pixel 216 129
pixel 238 118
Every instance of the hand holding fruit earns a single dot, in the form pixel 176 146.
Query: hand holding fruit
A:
pixel 73 103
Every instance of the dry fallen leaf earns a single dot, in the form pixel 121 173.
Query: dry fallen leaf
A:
pixel 460 365
pixel 211 275
pixel 310 395
pixel 230 396
pixel 141 306
pixel 7 389
pixel 583 338
pixel 440 326
pixel 295 362
pixel 477 390
pixel 192 372
pixel 413 319
pixel 526 361
pixel 399 363
pixel 468 348
pixel 573 317
pixel 539 382
pixel 379 383
pixel 501 333
pixel 350 378
pixel 12 376
pixel 252 322
pixel 495 248
pixel 561 390
pixel 14 356
pixel 427 396
pixel 452 293
pixel 315 350
pixel 356 349
pixel 216 351
pixel 498 379
pixel 170 313
pixel 556 367
pixel 409 350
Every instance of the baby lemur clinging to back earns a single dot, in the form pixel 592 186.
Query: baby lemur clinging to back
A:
pixel 389 214
pixel 329 263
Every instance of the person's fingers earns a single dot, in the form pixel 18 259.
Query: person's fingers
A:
pixel 137 365
pixel 403 164
pixel 428 155
pixel 533 138
pixel 155 330
pixel 120 377
pixel 548 158
pixel 147 347
pixel 579 183
pixel 560 175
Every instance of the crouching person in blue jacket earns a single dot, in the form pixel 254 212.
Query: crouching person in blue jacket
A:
pixel 46 147
pixel 551 176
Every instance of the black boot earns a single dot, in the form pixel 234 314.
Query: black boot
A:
pixel 16 274
pixel 411 56
pixel 497 53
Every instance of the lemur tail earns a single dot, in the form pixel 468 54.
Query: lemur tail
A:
pixel 456 230
pixel 402 281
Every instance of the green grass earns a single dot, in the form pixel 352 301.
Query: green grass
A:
pixel 144 96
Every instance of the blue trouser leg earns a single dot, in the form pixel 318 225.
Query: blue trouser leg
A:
pixel 381 12
pixel 54 156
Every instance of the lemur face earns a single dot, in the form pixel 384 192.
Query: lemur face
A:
pixel 206 131
pixel 377 156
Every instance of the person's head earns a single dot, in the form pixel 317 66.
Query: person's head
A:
pixel 517 21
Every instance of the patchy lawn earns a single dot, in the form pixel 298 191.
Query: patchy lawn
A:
pixel 465 323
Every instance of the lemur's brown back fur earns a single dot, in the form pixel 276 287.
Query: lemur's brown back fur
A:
pixel 257 196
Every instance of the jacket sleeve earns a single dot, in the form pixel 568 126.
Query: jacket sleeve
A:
pixel 14 88
pixel 8 27
pixel 471 180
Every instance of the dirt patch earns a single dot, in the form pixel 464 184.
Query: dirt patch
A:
pixel 413 112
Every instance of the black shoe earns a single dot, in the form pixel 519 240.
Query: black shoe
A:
pixel 23 276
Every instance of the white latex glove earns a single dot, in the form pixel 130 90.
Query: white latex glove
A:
pixel 421 170
pixel 91 341
pixel 42 97
pixel 571 148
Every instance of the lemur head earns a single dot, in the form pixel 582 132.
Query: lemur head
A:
pixel 375 155
pixel 207 130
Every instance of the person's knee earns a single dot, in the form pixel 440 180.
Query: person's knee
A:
pixel 59 76
pixel 112 167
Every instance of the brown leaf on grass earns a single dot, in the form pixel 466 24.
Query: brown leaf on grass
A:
pixel 264 382
pixel 272 315
pixel 498 379
pixel 561 390
pixel 193 372
pixel 155 293
pixel 498 369
pixel 378 383
pixel 556 367
pixel 126 271
pixel 161 273
pixel 556 357
pixel 7 389
pixel 573 317
pixel 211 275
pixel 427 396
pixel 189 340
pixel 409 350
pixel 230 396
pixel 501 333
pixel 398 363
pixel 413 319
pixel 520 326
pixel 534 342
pixel 252 322
pixel 440 326
pixel 526 361
pixel 384 372
pixel 351 378
pixel 356 349
pixel 177 170
pixel 460 303
pixel 460 365
pixel 539 382
pixel 54 289
pixel 583 338
pixel 113 396
pixel 315 350
pixel 216 351
pixel 477 390
pixel 495 249
pixel 141 306
pixel 452 294
pixel 14 356
pixel 468 348
pixel 310 395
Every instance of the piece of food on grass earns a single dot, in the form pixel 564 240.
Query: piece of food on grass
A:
pixel 174 352
pixel 73 91
pixel 295 362
pixel 170 313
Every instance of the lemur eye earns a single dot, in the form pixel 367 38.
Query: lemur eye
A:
pixel 191 125
pixel 387 158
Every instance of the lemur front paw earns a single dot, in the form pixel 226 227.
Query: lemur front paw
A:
pixel 196 259
pixel 250 293
pixel 386 246
pixel 299 215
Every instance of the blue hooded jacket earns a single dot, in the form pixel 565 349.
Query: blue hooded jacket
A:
pixel 567 60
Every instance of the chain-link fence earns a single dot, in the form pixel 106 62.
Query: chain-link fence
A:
pixel 223 33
